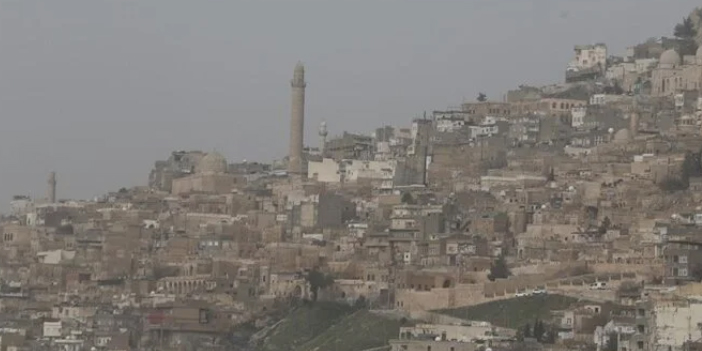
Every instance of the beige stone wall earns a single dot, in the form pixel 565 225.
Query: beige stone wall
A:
pixel 213 183
pixel 473 294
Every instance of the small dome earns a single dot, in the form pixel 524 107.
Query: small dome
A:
pixel 669 59
pixel 621 135
pixel 213 162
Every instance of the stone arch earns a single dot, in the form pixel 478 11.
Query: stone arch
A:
pixel 297 291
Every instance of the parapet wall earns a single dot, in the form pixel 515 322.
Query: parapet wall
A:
pixel 473 294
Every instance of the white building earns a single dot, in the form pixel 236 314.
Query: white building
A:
pixel 578 116
pixel 331 171
pixel 376 170
pixel 52 329
pixel 676 322
pixel 602 334
pixel 522 180
pixel 55 256
pixel 326 171
pixel 620 71
pixel 589 56
pixel 449 121
pixel 482 130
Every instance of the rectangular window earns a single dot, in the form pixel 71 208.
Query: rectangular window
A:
pixel 682 272
pixel 204 316
pixel 682 259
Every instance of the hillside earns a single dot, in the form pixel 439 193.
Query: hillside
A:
pixel 515 312
pixel 329 326
pixel 303 324
pixel 345 335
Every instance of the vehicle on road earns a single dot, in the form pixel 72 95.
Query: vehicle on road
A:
pixel 598 286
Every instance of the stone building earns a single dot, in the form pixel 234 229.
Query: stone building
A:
pixel 675 74
pixel 179 164
pixel 350 146
pixel 210 177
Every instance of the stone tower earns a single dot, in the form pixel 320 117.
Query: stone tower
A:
pixel 323 137
pixel 51 192
pixel 634 124
pixel 297 120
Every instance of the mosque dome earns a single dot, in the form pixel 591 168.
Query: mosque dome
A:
pixel 621 136
pixel 669 58
pixel 213 162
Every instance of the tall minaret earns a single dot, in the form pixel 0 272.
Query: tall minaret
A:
pixel 52 188
pixel 297 119
pixel 322 137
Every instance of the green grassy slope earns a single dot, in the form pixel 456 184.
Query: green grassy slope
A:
pixel 303 324
pixel 515 312
pixel 358 331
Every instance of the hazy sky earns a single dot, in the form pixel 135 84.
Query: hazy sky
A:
pixel 98 90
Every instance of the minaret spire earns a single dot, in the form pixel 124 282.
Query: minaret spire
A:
pixel 51 191
pixel 323 137
pixel 297 119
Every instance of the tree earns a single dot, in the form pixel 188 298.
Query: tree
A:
pixel 685 32
pixel 318 280
pixel 685 29
pixel 482 97
pixel 499 269
pixel 606 224
pixel 361 302
pixel 539 330
pixel 697 272
pixel 612 342
pixel 628 288
pixel 550 335
pixel 551 175
pixel 407 198
pixel 527 330
pixel 617 89
pixel 691 167
pixel 670 184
